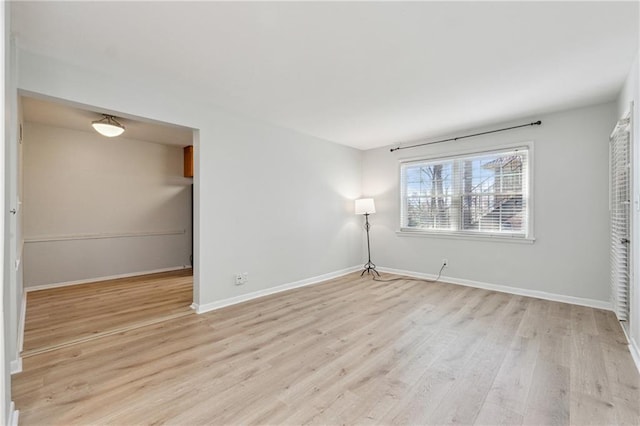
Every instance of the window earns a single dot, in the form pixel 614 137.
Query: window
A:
pixel 484 193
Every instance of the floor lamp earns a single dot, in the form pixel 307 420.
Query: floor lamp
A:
pixel 366 207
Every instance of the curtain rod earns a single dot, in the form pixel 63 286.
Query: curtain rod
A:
pixel 535 123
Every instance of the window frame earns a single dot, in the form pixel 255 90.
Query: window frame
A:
pixel 528 236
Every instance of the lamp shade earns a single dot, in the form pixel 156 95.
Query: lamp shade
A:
pixel 108 126
pixel 365 206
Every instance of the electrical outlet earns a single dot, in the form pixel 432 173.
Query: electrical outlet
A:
pixel 241 278
pixel 445 262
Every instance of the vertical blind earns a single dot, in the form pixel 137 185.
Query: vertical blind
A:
pixel 480 193
pixel 619 211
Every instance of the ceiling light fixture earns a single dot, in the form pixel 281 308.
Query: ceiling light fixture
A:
pixel 108 126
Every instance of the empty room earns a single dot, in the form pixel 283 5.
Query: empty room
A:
pixel 97 209
pixel 339 213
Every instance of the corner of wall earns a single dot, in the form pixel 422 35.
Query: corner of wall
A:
pixel 13 415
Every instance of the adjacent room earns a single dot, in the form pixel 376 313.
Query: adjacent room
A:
pixel 321 213
pixel 99 208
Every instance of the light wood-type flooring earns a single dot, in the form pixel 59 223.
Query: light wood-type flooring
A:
pixel 347 351
pixel 61 316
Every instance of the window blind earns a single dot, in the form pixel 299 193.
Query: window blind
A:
pixel 481 193
pixel 619 211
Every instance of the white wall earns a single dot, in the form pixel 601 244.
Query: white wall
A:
pixel 79 185
pixel 631 93
pixel 5 303
pixel 13 261
pixel 272 202
pixel 570 255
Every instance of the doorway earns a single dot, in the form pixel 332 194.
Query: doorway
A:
pixel 103 213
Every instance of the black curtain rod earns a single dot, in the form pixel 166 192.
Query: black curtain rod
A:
pixel 535 123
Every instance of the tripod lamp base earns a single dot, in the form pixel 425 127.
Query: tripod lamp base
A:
pixel 370 268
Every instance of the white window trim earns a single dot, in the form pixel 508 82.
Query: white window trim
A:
pixel 529 238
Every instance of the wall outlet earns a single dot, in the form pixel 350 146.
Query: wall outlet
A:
pixel 241 278
pixel 445 262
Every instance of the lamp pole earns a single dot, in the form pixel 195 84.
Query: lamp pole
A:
pixel 369 267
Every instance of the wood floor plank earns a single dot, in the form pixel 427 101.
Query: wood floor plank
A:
pixel 62 316
pixel 492 414
pixel 347 351
pixel 548 400
pixel 512 384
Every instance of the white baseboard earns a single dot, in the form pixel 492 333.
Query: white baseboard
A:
pixel 13 415
pixel 633 348
pixel 592 303
pixel 16 366
pixel 635 353
pixel 98 279
pixel 266 292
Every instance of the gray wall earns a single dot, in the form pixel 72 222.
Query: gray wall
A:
pixel 88 198
pixel 570 190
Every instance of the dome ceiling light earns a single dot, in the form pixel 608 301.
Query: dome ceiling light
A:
pixel 108 126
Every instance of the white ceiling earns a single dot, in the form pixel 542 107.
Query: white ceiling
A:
pixel 71 117
pixel 363 74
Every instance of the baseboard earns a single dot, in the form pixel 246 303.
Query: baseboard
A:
pixel 98 279
pixel 633 348
pixel 13 415
pixel 635 353
pixel 592 303
pixel 16 366
pixel 207 307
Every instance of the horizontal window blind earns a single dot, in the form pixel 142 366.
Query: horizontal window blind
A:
pixel 619 211
pixel 480 193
